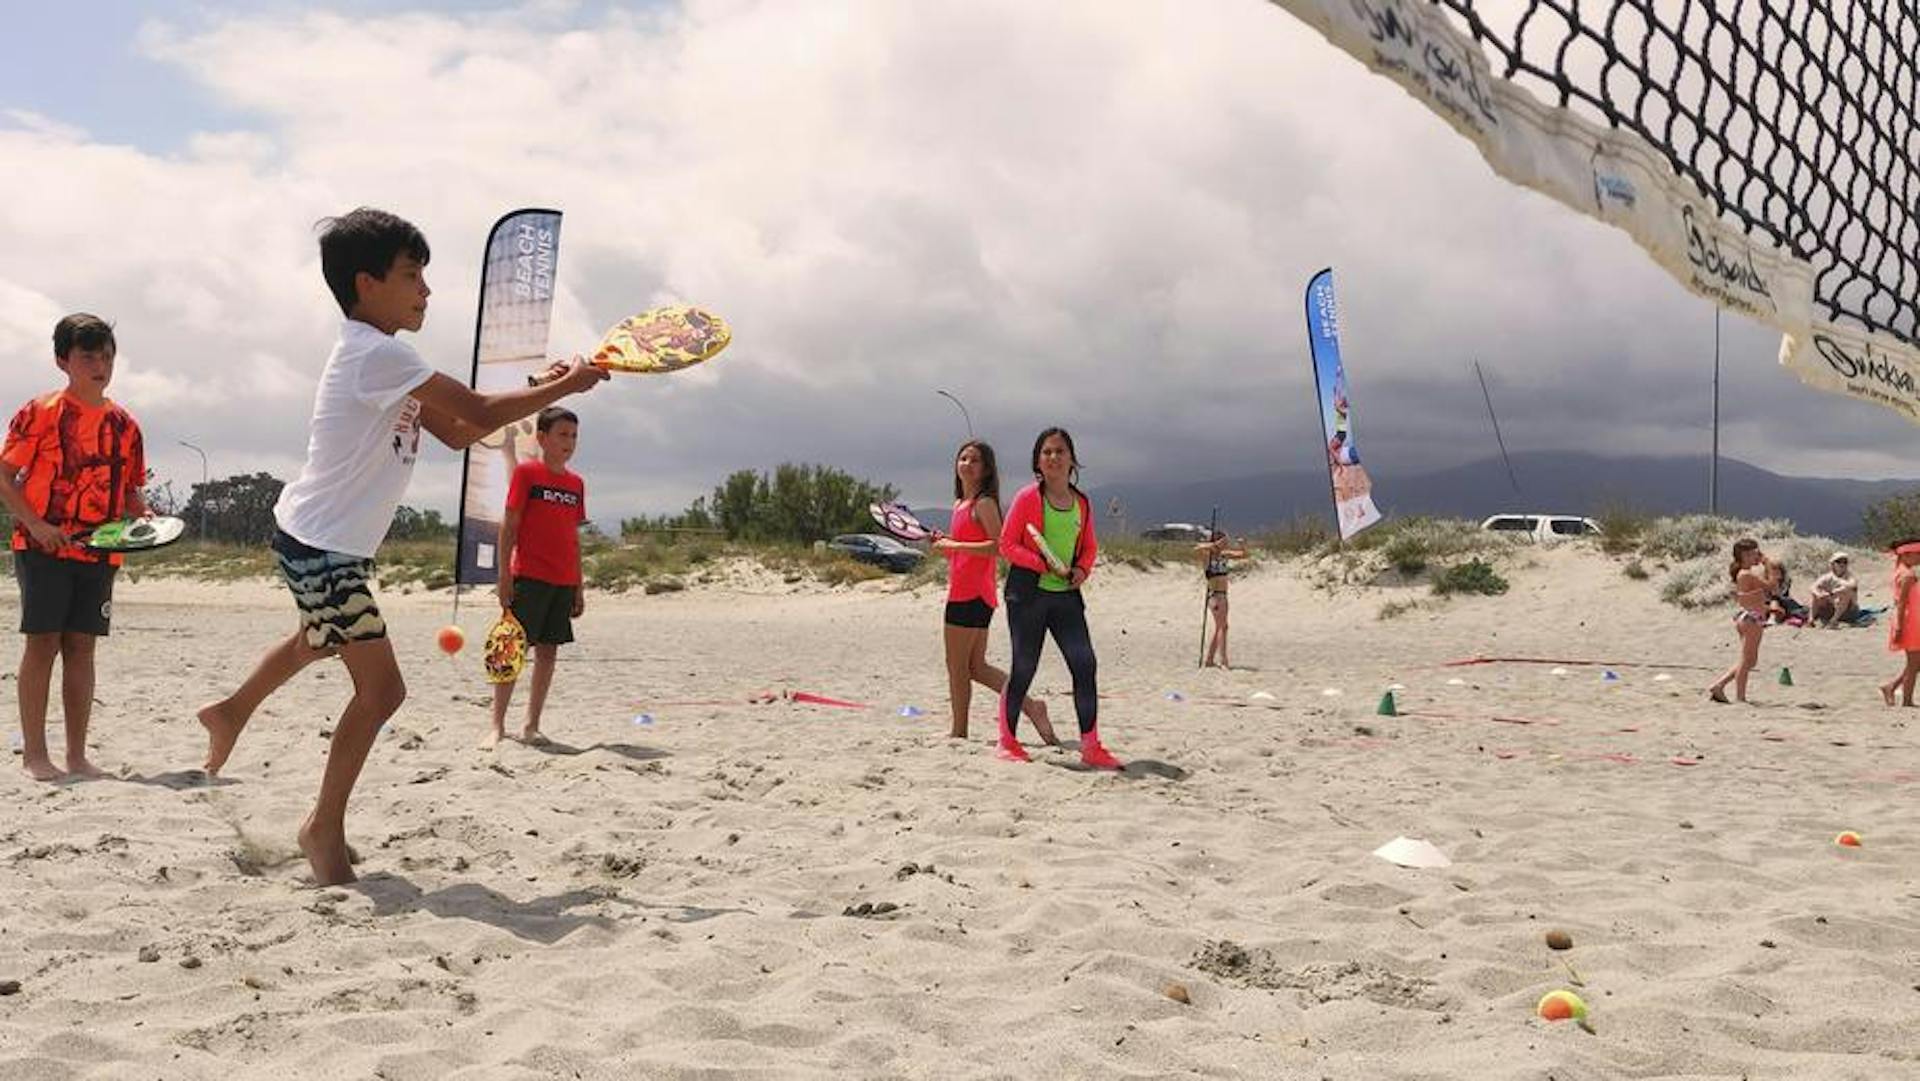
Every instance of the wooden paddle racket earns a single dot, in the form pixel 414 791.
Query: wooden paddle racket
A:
pixel 505 651
pixel 133 534
pixel 900 522
pixel 1046 553
pixel 653 343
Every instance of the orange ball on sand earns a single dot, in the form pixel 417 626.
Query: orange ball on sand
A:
pixel 1561 1006
pixel 452 638
pixel 1848 839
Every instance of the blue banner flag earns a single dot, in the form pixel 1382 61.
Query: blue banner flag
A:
pixel 1352 490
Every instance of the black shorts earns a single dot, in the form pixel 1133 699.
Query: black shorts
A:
pixel 63 594
pixel 545 611
pixel 334 592
pixel 975 613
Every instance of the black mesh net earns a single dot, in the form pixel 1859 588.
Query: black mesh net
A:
pixel 1794 118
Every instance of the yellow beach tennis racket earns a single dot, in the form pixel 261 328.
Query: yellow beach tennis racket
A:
pixel 654 342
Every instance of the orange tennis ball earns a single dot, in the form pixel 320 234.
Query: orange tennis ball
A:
pixel 452 638
pixel 1849 839
pixel 1561 1006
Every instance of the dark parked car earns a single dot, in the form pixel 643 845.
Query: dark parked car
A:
pixel 878 549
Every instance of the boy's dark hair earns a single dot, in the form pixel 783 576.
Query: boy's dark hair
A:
pixel 365 239
pixel 553 415
pixel 84 331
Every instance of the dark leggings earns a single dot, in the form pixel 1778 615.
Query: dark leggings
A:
pixel 1033 613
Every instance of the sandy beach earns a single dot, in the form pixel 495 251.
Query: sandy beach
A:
pixel 666 891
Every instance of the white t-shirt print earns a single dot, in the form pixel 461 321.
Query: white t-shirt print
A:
pixel 365 437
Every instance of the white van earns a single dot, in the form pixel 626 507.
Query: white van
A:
pixel 1543 528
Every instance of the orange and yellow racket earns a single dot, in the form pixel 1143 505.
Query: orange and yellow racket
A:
pixel 653 343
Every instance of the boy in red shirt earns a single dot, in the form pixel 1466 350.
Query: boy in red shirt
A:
pixel 540 562
pixel 73 460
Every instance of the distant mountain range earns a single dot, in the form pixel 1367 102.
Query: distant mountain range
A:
pixel 1565 483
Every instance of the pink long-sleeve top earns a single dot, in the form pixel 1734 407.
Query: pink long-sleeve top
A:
pixel 1026 510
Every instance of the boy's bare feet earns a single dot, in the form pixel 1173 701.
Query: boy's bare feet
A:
pixel 1041 724
pixel 327 855
pixel 492 739
pixel 1716 696
pixel 1886 695
pixel 532 737
pixel 222 733
pixel 43 769
pixel 78 766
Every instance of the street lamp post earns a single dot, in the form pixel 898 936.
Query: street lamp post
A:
pixel 203 484
pixel 963 410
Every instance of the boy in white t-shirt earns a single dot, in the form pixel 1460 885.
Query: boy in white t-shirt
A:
pixel 374 397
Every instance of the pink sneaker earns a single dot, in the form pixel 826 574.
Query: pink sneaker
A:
pixel 1096 756
pixel 1009 749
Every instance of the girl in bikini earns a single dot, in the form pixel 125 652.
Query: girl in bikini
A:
pixel 1753 585
pixel 1903 633
pixel 1213 555
pixel 971 545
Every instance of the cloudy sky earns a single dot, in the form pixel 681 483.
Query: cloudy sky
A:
pixel 1098 213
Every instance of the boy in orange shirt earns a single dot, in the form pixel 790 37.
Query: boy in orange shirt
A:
pixel 540 562
pixel 73 460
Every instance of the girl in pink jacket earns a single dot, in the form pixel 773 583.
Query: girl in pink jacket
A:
pixel 1048 538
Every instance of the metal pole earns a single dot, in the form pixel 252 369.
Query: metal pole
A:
pixel 1213 523
pixel 203 484
pixel 1511 479
pixel 962 408
pixel 1713 469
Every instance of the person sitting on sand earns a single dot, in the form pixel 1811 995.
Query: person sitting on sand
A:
pixel 1781 607
pixel 1755 579
pixel 1836 595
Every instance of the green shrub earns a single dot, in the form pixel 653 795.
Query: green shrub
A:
pixel 1304 534
pixel 1890 521
pixel 1473 576
pixel 1635 570
pixel 1407 553
pixel 1621 527
pixel 1395 609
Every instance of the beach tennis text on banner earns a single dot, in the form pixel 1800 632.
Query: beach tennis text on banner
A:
pixel 1660 74
pixel 509 344
pixel 1352 488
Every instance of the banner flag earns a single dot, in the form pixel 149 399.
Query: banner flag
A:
pixel 509 344
pixel 1352 489
pixel 1618 176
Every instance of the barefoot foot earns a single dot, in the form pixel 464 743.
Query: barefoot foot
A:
pixel 223 731
pixel 42 769
pixel 532 737
pixel 1886 695
pixel 327 854
pixel 492 739
pixel 1714 695
pixel 1037 713
pixel 78 766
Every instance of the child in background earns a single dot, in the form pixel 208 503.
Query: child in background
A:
pixel 540 562
pixel 73 460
